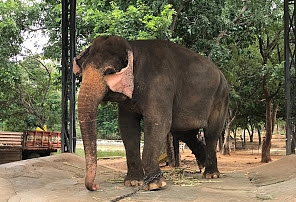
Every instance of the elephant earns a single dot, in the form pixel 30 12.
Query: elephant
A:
pixel 169 87
pixel 195 145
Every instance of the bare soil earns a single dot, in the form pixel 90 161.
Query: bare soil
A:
pixel 239 159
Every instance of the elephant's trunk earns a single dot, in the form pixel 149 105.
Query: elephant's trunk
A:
pixel 92 91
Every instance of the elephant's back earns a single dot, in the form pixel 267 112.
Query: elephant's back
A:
pixel 191 83
pixel 169 56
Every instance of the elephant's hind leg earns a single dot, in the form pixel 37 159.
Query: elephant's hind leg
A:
pixel 212 134
pixel 211 168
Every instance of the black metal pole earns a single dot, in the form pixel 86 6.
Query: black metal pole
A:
pixel 68 131
pixel 72 76
pixel 64 130
pixel 289 43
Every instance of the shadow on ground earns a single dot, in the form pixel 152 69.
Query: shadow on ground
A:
pixel 61 178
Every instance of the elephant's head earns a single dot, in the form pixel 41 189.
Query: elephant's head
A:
pixel 107 65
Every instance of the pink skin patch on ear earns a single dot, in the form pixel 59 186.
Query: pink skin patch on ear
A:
pixel 123 81
pixel 76 68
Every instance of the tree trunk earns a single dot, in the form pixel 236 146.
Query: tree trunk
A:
pixel 226 146
pixel 234 136
pixel 244 141
pixel 270 121
pixel 220 143
pixel 273 116
pixel 259 136
pixel 265 156
pixel 293 145
pixel 266 51
pixel 252 133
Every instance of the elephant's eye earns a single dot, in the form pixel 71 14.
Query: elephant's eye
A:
pixel 109 71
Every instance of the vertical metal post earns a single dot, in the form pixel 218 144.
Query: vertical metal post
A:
pixel 64 130
pixel 68 131
pixel 290 80
pixel 72 76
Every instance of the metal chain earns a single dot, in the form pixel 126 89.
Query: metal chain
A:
pixel 151 179
pixel 146 182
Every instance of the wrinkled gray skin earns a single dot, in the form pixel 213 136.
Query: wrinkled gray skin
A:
pixel 173 89
pixel 195 145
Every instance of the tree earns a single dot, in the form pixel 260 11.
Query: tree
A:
pixel 29 96
pixel 230 119
pixel 33 96
pixel 269 35
pixel 271 85
pixel 241 37
pixel 256 35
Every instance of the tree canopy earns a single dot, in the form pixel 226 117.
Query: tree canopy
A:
pixel 30 89
pixel 244 38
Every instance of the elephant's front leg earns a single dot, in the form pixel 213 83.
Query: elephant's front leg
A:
pixel 130 130
pixel 155 132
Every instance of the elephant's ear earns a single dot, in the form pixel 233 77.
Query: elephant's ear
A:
pixel 123 81
pixel 76 68
pixel 82 56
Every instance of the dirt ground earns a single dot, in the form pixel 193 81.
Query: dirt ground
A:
pixel 243 178
pixel 239 159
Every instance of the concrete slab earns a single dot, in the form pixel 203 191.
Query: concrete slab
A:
pixel 275 180
pixel 61 178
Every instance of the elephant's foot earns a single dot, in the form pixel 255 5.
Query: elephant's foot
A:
pixel 134 179
pixel 93 187
pixel 210 175
pixel 156 184
pixel 133 183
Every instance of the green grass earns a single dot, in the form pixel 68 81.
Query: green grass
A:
pixel 111 153
pixel 103 153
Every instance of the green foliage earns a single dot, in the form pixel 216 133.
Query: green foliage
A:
pixel 250 51
pixel 10 29
pixel 132 20
pixel 199 23
pixel 32 100
pixel 16 18
pixel 107 121
pixel 135 22
pixel 28 97
pixel 247 45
